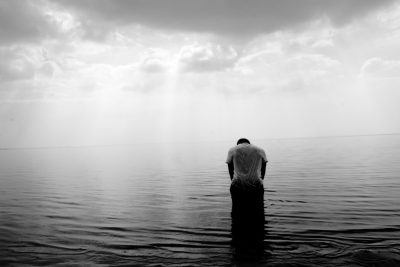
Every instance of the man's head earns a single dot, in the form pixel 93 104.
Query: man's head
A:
pixel 243 141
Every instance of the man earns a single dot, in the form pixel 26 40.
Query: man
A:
pixel 246 164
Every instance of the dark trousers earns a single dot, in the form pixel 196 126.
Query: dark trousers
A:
pixel 247 199
pixel 248 220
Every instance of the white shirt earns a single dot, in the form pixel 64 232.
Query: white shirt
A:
pixel 247 160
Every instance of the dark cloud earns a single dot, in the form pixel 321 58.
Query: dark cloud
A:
pixel 229 17
pixel 29 20
pixel 23 21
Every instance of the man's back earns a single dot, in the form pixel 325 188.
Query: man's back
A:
pixel 247 160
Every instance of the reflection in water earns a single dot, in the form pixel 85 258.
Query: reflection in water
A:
pixel 247 224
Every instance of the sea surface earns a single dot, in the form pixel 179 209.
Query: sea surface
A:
pixel 332 201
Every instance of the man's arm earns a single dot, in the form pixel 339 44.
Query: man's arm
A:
pixel 231 169
pixel 263 168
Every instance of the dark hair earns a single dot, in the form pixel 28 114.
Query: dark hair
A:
pixel 242 140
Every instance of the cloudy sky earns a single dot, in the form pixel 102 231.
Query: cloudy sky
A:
pixel 83 72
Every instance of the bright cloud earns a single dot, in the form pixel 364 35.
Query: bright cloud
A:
pixel 15 64
pixel 380 68
pixel 199 58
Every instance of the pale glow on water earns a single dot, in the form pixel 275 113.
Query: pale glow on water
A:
pixel 329 201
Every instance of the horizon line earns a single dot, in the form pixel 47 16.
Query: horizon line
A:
pixel 173 142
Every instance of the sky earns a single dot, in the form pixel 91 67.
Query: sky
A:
pixel 99 72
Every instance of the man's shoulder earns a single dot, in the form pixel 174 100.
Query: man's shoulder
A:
pixel 259 149
pixel 260 152
pixel 231 153
pixel 232 150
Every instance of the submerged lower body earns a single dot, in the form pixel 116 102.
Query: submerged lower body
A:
pixel 247 221
pixel 247 197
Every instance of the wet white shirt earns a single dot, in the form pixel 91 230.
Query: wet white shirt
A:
pixel 247 160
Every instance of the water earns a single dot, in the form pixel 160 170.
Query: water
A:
pixel 328 202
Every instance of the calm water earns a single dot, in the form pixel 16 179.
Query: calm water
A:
pixel 328 202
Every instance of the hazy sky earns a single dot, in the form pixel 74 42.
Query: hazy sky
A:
pixel 81 72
